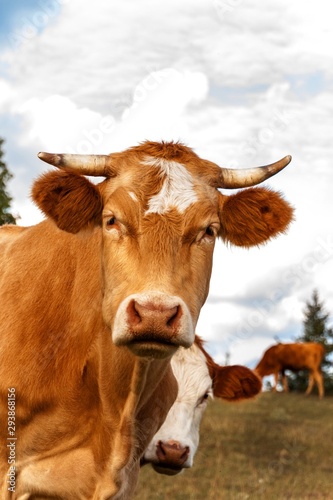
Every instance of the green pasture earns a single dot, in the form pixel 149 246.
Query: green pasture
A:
pixel 277 447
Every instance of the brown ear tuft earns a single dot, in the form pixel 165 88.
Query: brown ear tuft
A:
pixel 233 383
pixel 253 216
pixel 71 200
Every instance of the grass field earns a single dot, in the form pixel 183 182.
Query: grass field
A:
pixel 278 447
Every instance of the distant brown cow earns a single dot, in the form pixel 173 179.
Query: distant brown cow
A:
pixel 281 357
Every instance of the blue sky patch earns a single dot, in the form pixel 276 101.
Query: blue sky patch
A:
pixel 307 85
pixel 21 20
pixel 234 95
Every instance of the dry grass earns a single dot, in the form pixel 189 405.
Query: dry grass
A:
pixel 278 447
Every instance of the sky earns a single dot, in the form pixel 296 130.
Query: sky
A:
pixel 242 84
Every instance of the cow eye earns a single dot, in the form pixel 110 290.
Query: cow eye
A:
pixel 210 231
pixel 208 234
pixel 111 221
pixel 203 398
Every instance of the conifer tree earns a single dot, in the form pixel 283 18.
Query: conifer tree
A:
pixel 315 329
pixel 5 199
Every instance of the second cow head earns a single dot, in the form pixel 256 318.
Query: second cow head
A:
pixel 174 446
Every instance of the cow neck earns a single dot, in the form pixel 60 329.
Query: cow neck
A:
pixel 140 414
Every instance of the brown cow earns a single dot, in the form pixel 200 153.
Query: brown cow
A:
pixel 295 357
pixel 97 298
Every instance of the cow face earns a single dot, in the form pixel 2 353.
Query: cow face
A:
pixel 174 446
pixel 158 243
pixel 160 213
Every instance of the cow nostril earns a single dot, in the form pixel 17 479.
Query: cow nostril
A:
pixel 133 313
pixel 147 315
pixel 161 448
pixel 176 314
pixel 172 452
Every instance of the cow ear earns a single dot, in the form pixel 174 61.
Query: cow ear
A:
pixel 233 383
pixel 71 200
pixel 253 216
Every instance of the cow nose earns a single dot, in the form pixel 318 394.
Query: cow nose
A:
pixel 148 316
pixel 172 453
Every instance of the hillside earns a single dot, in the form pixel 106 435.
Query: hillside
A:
pixel 278 447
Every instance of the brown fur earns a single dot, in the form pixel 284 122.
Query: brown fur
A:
pixel 252 216
pixel 10 231
pixel 174 151
pixel 71 200
pixel 295 357
pixel 81 402
pixel 86 408
pixel 231 383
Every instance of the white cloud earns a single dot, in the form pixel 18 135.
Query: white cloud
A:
pixel 97 53
pixel 159 107
pixel 56 123
pixel 237 86
pixel 6 96
pixel 157 110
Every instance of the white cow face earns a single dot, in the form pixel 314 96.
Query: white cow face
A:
pixel 175 444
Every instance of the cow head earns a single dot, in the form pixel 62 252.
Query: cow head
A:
pixel 174 446
pixel 160 212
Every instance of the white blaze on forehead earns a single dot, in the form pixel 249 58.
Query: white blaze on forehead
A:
pixel 191 371
pixel 133 196
pixel 177 190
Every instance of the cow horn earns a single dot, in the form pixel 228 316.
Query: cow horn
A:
pixel 94 165
pixel 245 177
